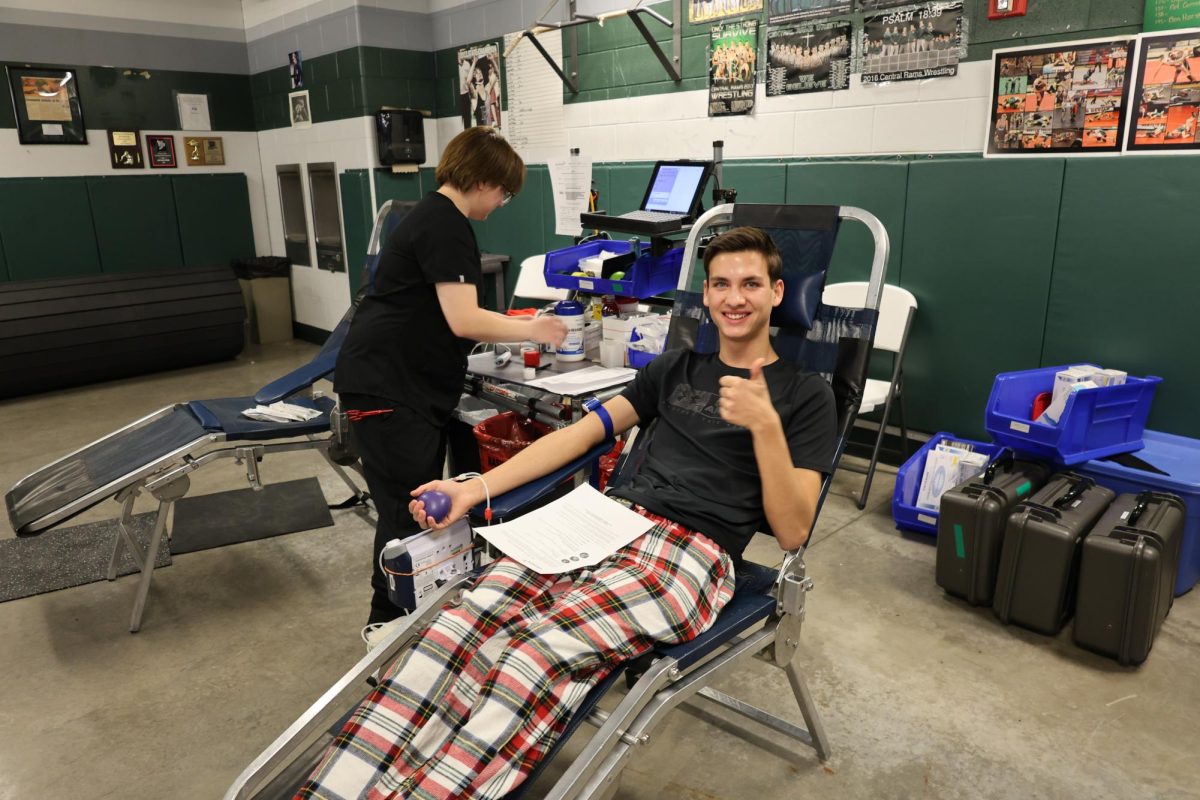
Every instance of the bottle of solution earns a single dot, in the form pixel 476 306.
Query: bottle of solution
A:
pixel 571 313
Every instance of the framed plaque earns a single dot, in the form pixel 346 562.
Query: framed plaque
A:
pixel 46 105
pixel 204 151
pixel 161 150
pixel 125 149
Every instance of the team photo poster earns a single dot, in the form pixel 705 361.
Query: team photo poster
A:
pixel 1068 97
pixel 793 10
pixel 1166 101
pixel 709 10
pixel 912 43
pixel 732 70
pixel 814 57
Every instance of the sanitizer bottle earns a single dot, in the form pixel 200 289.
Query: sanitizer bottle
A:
pixel 571 313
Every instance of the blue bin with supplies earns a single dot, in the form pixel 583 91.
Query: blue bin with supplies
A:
pixel 905 512
pixel 645 275
pixel 1166 463
pixel 1095 423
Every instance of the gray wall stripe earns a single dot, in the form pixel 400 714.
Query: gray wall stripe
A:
pixel 91 22
pixel 82 47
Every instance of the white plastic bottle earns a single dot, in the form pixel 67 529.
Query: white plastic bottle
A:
pixel 571 313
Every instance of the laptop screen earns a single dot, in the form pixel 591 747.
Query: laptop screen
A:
pixel 675 186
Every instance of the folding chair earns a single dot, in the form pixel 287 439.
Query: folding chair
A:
pixel 158 452
pixel 896 311
pixel 834 341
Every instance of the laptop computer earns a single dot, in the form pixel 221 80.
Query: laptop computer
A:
pixel 672 200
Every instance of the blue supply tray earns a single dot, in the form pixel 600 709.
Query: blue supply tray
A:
pixel 646 277
pixel 908 484
pixel 1180 458
pixel 1095 422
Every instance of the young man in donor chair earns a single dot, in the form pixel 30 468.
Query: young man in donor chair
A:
pixel 743 439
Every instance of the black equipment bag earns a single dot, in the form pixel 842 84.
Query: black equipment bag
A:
pixel 1039 560
pixel 971 520
pixel 1127 575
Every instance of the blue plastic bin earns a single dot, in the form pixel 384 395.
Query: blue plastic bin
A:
pixel 1095 422
pixel 648 276
pixel 908 483
pixel 1179 457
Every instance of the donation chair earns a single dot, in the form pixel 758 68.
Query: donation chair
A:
pixel 765 615
pixel 896 310
pixel 158 452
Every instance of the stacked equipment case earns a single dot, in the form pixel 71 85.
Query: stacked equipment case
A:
pixel 971 522
pixel 1039 562
pixel 1127 575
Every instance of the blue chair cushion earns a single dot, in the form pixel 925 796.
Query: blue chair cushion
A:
pixel 224 415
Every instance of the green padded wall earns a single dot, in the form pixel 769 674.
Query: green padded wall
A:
pixel 136 227
pixel 1124 289
pixel 978 247
pixel 214 218
pixel 46 227
pixel 878 187
pixel 357 220
pixel 755 182
pixel 3 263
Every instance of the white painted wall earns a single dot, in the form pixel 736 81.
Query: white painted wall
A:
pixel 942 115
pixel 212 13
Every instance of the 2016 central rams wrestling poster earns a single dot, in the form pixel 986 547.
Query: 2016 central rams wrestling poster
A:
pixel 732 71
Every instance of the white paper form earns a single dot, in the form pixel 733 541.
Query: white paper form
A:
pixel 581 381
pixel 579 530
pixel 571 184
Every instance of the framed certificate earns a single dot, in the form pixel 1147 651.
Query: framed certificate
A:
pixel 46 105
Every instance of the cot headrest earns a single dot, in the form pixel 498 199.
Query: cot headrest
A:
pixel 801 298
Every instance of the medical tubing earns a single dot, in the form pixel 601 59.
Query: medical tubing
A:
pixel 487 495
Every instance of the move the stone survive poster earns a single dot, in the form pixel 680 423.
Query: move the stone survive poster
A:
pixel 733 61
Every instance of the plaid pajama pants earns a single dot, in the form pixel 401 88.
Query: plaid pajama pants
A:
pixel 471 708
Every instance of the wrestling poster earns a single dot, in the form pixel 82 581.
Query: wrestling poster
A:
pixel 912 43
pixel 733 63
pixel 794 10
pixel 1166 99
pixel 813 57
pixel 479 90
pixel 708 10
pixel 1063 98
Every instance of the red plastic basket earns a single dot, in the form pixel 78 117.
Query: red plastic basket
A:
pixel 608 463
pixel 504 435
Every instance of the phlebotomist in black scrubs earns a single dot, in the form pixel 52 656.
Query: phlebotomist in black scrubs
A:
pixel 405 356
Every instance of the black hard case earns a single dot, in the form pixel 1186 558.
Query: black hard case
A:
pixel 1039 561
pixel 1127 575
pixel 971 520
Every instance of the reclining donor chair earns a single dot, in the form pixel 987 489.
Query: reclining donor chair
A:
pixel 765 615
pixel 158 452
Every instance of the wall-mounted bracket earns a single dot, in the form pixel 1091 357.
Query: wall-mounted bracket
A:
pixel 671 64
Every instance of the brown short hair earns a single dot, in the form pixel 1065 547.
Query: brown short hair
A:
pixel 746 239
pixel 481 155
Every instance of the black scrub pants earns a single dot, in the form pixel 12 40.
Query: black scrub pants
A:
pixel 399 451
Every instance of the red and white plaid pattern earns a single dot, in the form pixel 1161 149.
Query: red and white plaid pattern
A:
pixel 479 700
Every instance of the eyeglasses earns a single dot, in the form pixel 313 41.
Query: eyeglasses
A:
pixel 507 197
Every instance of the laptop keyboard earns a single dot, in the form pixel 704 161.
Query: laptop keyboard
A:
pixel 651 216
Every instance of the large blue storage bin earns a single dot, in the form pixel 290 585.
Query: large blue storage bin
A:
pixel 647 277
pixel 1179 457
pixel 908 483
pixel 1095 423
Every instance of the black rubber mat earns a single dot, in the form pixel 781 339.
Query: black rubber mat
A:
pixel 244 515
pixel 60 559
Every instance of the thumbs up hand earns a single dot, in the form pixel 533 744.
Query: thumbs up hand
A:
pixel 746 401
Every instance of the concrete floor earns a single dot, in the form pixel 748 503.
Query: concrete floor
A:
pixel 922 696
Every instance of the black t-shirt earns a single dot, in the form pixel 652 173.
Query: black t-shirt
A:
pixel 700 470
pixel 400 347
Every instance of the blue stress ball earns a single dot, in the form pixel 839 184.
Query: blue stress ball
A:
pixel 437 504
